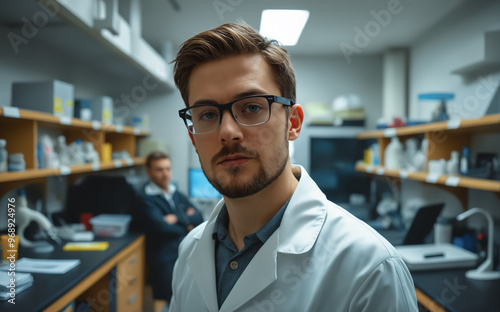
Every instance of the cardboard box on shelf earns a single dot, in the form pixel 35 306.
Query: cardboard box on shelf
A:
pixel 54 97
pixel 102 109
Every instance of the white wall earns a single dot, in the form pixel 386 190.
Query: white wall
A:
pixel 454 43
pixel 167 126
pixel 323 78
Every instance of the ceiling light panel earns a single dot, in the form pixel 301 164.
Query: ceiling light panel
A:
pixel 284 26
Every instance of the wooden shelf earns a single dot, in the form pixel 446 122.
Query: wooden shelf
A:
pixel 44 173
pixel 49 120
pixel 427 302
pixel 445 180
pixel 20 128
pixel 488 123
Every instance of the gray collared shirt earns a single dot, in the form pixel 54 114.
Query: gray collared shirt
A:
pixel 229 262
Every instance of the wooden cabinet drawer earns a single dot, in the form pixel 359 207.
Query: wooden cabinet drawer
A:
pixel 130 270
pixel 130 281
pixel 130 299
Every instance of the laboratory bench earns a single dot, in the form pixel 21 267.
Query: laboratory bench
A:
pixel 443 290
pixel 108 280
pixel 450 290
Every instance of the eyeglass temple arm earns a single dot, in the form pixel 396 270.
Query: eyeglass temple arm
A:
pixel 284 101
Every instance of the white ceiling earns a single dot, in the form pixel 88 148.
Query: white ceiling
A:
pixel 330 23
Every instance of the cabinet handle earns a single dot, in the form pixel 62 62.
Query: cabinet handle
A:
pixel 132 299
pixel 132 260
pixel 132 280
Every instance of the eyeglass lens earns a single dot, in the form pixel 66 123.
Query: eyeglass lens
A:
pixel 248 112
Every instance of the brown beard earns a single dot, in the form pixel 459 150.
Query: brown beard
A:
pixel 255 185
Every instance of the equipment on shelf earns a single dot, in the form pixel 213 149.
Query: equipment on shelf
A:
pixel 441 112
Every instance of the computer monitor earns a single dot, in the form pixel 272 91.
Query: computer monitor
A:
pixel 199 187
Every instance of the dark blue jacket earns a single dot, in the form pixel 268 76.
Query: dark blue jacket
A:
pixel 163 239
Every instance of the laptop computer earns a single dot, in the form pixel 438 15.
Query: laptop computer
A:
pixel 420 227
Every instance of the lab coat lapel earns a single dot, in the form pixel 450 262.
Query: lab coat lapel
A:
pixel 259 274
pixel 301 225
pixel 202 265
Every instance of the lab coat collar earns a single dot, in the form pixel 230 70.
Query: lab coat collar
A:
pixel 301 224
pixel 298 218
pixel 259 274
pixel 202 261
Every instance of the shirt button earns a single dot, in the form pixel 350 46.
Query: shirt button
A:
pixel 233 265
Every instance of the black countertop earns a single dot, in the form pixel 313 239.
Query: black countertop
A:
pixel 449 288
pixel 456 293
pixel 47 288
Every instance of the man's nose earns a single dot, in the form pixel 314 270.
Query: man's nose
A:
pixel 229 128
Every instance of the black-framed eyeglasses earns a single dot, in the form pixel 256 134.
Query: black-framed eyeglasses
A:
pixel 247 111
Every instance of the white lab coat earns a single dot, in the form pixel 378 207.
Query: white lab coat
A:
pixel 321 258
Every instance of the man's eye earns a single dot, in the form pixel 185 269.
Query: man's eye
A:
pixel 208 115
pixel 252 108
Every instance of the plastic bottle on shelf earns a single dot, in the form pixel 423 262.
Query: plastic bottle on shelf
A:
pixel 90 154
pixel 16 162
pixel 367 156
pixel 374 154
pixel 393 154
pixel 137 122
pixel 49 156
pixel 410 153
pixel 76 153
pixel 464 161
pixel 442 166
pixel 3 156
pixel 452 165
pixel 62 149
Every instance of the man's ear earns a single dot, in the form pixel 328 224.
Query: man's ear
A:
pixel 296 118
pixel 192 141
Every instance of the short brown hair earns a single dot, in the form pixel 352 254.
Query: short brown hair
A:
pixel 232 39
pixel 155 156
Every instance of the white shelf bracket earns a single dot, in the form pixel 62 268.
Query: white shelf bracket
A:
pixel 107 12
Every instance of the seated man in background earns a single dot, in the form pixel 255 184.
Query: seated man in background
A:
pixel 165 217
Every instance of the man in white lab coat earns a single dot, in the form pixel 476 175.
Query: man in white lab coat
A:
pixel 274 243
